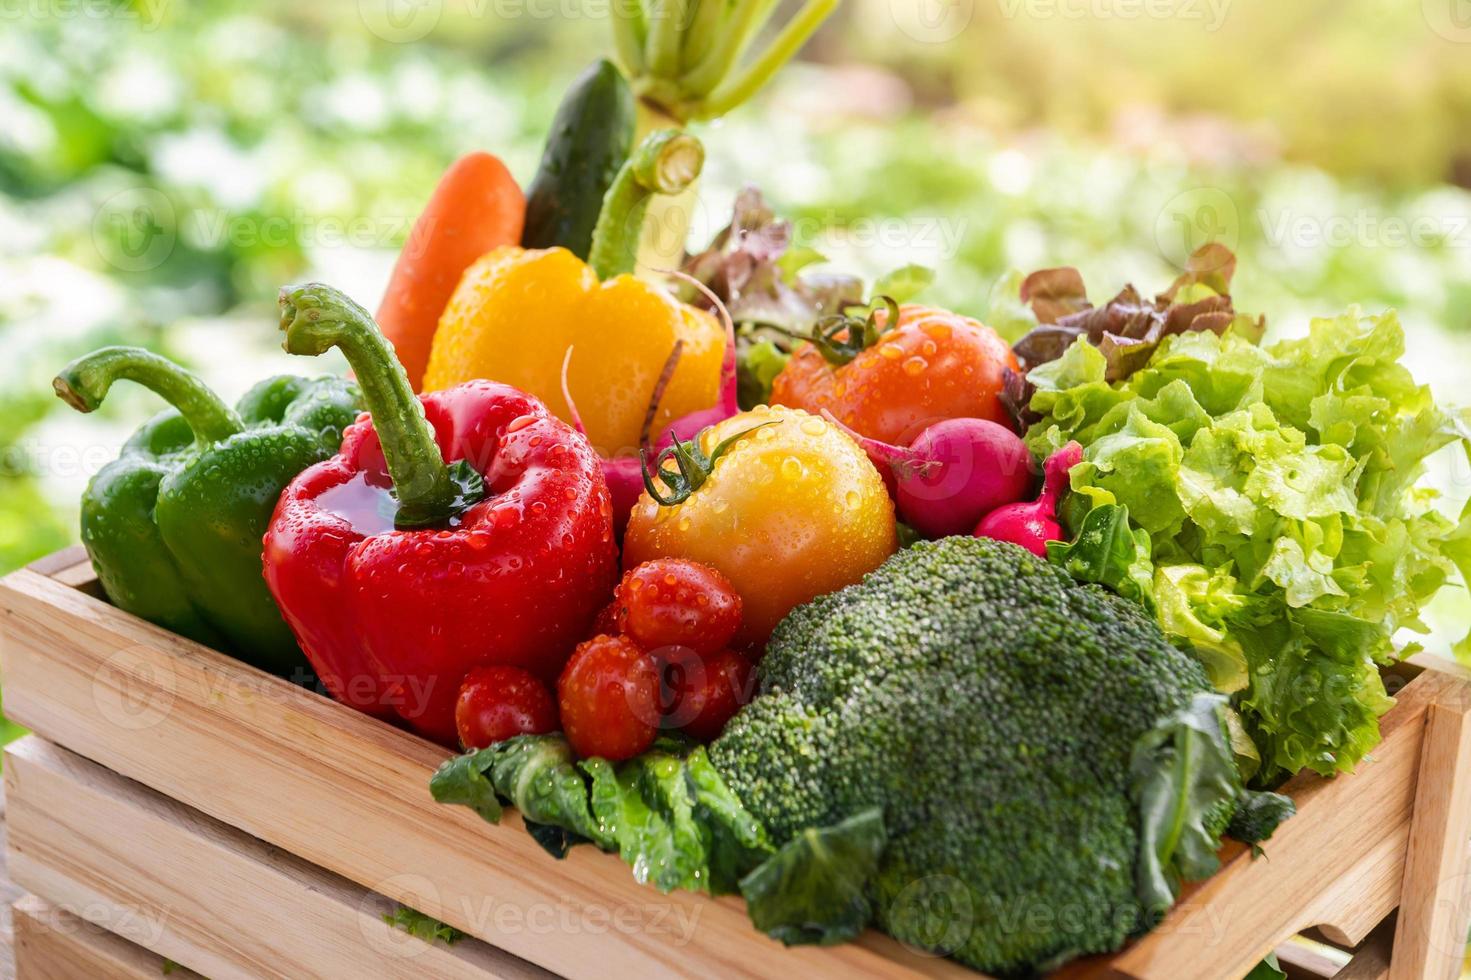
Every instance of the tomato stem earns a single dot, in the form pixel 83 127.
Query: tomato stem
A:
pixel 693 465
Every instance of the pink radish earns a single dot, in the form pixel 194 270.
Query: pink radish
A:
pixel 689 426
pixel 952 474
pixel 624 474
pixel 1033 523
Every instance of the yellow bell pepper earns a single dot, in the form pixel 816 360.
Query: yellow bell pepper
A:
pixel 516 312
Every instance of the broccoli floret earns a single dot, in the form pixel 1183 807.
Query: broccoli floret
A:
pixel 991 708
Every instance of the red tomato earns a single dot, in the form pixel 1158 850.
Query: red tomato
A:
pixel 671 602
pixel 930 365
pixel 498 702
pixel 700 692
pixel 609 695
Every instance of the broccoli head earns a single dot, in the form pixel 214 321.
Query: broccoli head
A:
pixel 1047 766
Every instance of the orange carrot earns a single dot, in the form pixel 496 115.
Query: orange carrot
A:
pixel 476 207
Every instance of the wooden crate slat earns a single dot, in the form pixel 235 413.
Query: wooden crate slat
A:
pixel 350 794
pixel 1430 940
pixel 172 880
pixel 52 944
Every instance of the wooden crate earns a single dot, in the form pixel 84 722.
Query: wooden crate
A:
pixel 242 826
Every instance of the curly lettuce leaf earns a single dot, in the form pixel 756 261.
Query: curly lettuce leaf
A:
pixel 759 364
pixel 667 813
pixel 815 889
pixel 1279 490
pixel 538 775
pixel 904 283
pixel 422 926
pixel 1194 605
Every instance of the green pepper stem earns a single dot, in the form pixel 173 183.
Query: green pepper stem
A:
pixel 666 162
pixel 84 383
pixel 316 318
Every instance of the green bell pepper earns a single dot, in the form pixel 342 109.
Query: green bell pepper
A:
pixel 174 525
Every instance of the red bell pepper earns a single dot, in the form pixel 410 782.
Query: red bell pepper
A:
pixel 400 573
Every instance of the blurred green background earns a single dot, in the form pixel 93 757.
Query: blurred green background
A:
pixel 166 165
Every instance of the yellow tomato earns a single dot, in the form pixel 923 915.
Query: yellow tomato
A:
pixel 515 313
pixel 792 511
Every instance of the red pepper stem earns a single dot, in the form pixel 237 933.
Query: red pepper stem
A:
pixel 84 383
pixel 316 318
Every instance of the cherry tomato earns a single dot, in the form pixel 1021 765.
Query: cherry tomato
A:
pixel 606 620
pixel 932 365
pixel 792 510
pixel 609 695
pixel 498 702
pixel 670 602
pixel 700 692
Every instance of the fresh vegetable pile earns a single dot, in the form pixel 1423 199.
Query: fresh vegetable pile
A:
pixel 778 586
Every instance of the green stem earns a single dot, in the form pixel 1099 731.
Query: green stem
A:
pixel 316 318
pixel 666 162
pixel 628 36
pixel 84 383
pixel 743 26
pixel 705 27
pixel 733 91
pixel 665 33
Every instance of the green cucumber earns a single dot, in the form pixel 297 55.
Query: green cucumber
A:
pixel 591 136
